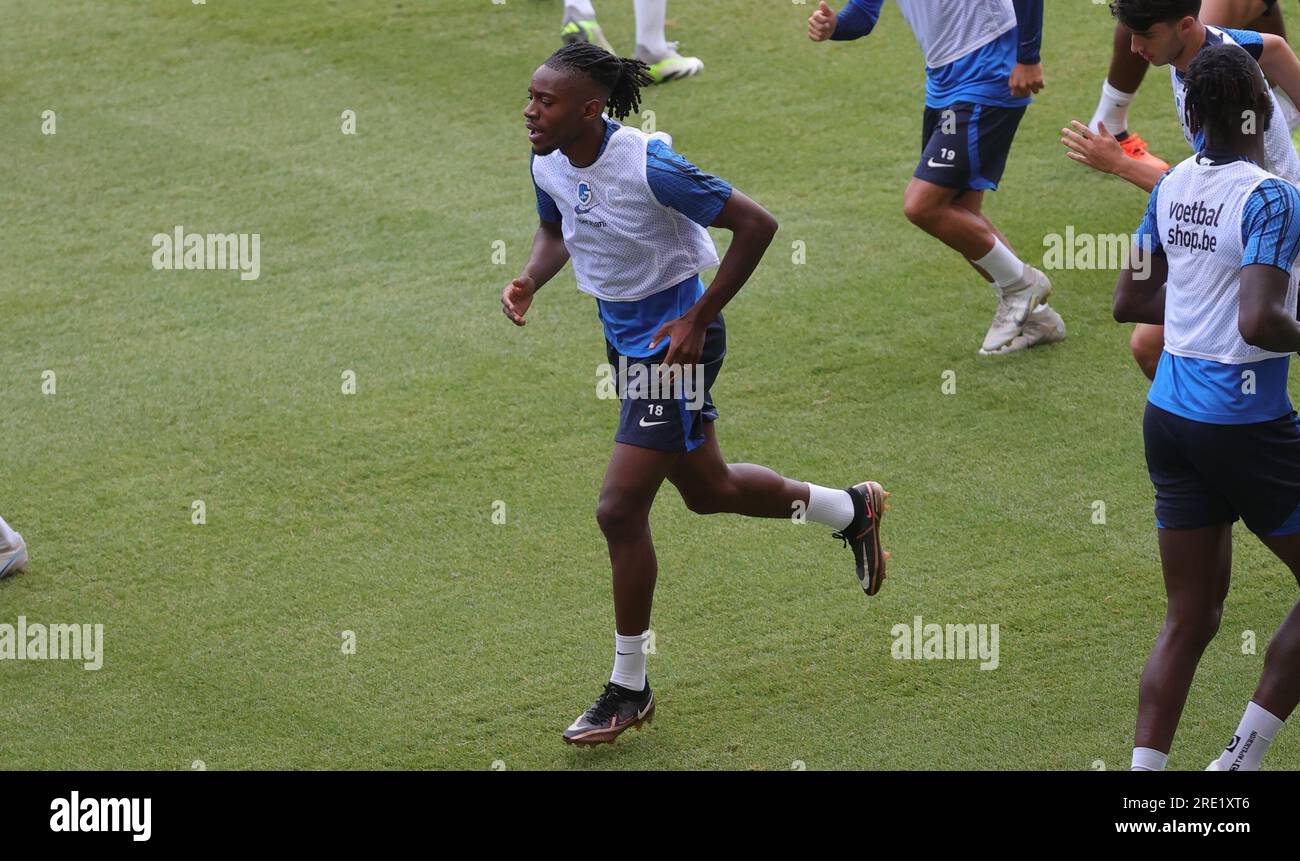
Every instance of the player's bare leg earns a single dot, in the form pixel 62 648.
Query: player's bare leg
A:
pixel 707 484
pixel 1244 15
pixel 934 209
pixel 632 480
pixel 973 202
pixel 1147 343
pixel 1278 692
pixel 1279 686
pixel 710 485
pixel 1127 70
pixel 1044 325
pixel 1021 288
pixel 1197 565
pixel 1270 21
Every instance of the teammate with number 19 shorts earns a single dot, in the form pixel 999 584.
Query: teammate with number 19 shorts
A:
pixel 982 66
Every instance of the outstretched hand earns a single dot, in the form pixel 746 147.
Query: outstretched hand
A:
pixel 1098 150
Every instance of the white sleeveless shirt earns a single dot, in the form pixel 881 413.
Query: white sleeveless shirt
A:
pixel 1199 203
pixel 624 244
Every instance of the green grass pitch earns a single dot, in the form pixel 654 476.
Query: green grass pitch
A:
pixel 477 642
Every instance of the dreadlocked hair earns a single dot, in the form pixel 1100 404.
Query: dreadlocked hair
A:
pixel 623 77
pixel 1220 83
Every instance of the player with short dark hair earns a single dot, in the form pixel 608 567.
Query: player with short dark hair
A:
pixel 1222 439
pixel 982 67
pixel 1128 68
pixel 632 215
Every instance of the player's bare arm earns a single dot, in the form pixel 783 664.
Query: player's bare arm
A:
pixel 1102 152
pixel 547 258
pixel 1281 65
pixel 1262 317
pixel 1141 299
pixel 752 229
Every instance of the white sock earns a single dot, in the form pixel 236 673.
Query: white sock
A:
pixel 831 507
pixel 579 9
pixel 1148 759
pixel 1112 110
pixel 629 661
pixel 1002 264
pixel 8 538
pixel 650 38
pixel 1254 735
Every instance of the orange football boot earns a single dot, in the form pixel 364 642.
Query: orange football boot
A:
pixel 1136 148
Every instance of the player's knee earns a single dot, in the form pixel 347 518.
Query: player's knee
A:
pixel 710 492
pixel 618 517
pixel 1196 627
pixel 918 210
pixel 706 501
pixel 1146 351
pixel 1147 363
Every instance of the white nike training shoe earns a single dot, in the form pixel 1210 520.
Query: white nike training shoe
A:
pixel 14 559
pixel 1044 326
pixel 575 29
pixel 670 66
pixel 1014 304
